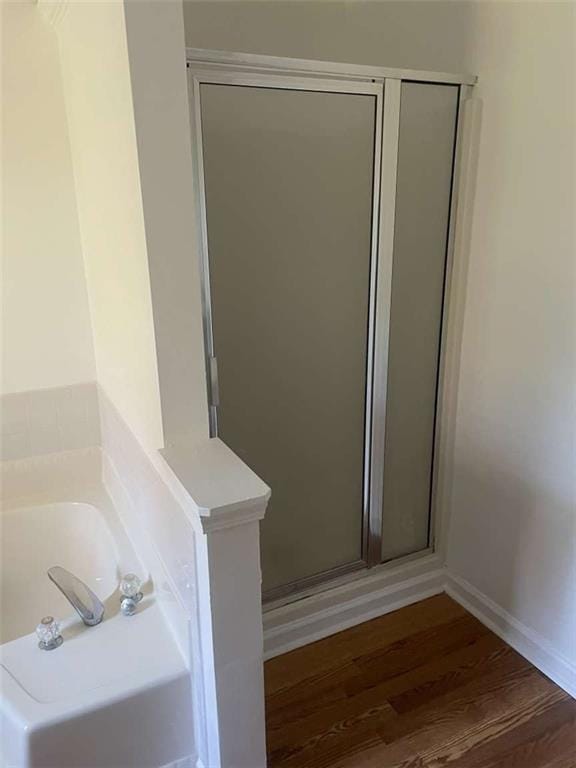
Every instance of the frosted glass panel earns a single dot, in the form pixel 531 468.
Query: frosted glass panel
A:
pixel 427 132
pixel 288 178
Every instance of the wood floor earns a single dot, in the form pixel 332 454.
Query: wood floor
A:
pixel 427 686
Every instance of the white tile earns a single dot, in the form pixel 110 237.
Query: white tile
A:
pixel 42 412
pixel 70 406
pixel 90 393
pixel 49 473
pixel 73 434
pixel 43 441
pixel 13 413
pixel 14 446
pixel 92 432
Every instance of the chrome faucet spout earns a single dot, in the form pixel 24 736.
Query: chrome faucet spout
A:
pixel 81 598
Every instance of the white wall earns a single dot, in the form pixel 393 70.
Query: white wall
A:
pixel 513 533
pixel 97 194
pixel 98 93
pixel 427 35
pixel 124 74
pixel 46 337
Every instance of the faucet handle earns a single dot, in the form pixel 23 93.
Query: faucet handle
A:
pixel 79 595
pixel 48 633
pixel 131 594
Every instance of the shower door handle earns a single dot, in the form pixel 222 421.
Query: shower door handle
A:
pixel 214 389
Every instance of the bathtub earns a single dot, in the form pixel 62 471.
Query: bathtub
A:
pixel 116 695
pixel 74 535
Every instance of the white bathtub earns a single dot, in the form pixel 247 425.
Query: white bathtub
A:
pixel 73 535
pixel 114 695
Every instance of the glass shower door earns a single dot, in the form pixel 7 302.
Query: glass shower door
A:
pixel 427 132
pixel 326 217
pixel 288 179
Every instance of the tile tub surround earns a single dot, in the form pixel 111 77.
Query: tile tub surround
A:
pixel 43 421
pixel 54 474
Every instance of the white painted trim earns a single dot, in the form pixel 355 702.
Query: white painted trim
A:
pixel 224 491
pixel 237 514
pixel 376 593
pixel 312 66
pixel 526 641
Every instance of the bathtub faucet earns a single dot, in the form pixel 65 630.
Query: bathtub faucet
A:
pixel 81 598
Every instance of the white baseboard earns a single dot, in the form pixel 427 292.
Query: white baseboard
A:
pixel 363 598
pixel 528 643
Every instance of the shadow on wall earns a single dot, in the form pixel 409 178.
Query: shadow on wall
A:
pixel 411 35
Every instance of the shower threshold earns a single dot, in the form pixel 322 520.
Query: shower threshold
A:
pixel 329 606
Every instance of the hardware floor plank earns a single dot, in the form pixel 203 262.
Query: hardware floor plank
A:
pixel 546 739
pixel 427 686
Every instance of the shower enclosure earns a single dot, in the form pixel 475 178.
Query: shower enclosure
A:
pixel 325 196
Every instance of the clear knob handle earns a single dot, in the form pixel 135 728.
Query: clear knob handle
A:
pixel 130 586
pixel 131 594
pixel 48 633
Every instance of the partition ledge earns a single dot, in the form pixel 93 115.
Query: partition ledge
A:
pixel 224 490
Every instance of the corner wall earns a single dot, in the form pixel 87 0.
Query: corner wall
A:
pixel 124 73
pixel 99 107
pixel 513 529
pixel 46 334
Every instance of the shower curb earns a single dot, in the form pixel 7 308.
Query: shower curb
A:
pixel 346 605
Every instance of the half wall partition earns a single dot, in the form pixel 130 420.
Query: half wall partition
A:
pixel 325 201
